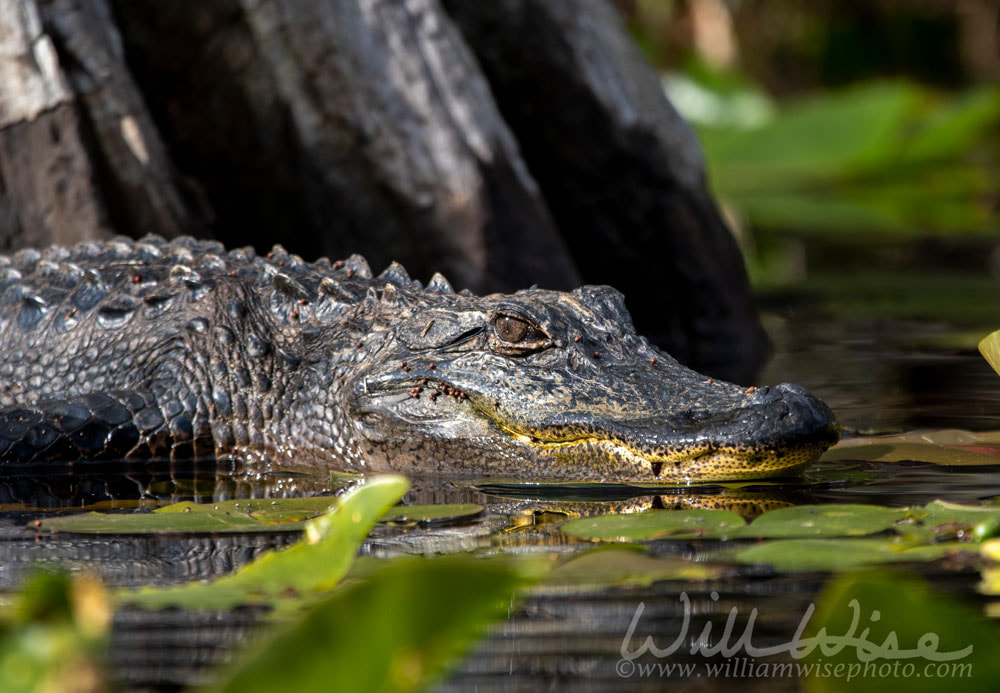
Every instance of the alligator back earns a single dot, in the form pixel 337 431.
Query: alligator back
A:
pixel 149 348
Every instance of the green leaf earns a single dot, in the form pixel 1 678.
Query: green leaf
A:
pixel 396 631
pixel 432 514
pixel 280 515
pixel 53 636
pixel 656 524
pixel 891 611
pixel 307 568
pixel 859 127
pixel 873 450
pixel 794 555
pixel 955 126
pixel 989 347
pixel 940 512
pixel 823 521
pixel 615 566
pixel 932 523
pixel 861 160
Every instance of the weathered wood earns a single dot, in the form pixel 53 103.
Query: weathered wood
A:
pixel 621 172
pixel 45 174
pixel 369 126
pixel 79 156
pixel 345 127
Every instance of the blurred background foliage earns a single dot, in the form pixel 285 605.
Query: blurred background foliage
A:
pixel 853 144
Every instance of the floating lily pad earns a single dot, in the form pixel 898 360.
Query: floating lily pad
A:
pixel 623 566
pixel 304 569
pixel 283 515
pixel 918 524
pixel 823 521
pixel 656 524
pixel 877 450
pixel 397 630
pixel 793 555
pixel 432 514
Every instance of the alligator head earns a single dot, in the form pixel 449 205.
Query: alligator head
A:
pixel 546 384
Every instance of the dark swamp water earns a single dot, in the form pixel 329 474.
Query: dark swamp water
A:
pixel 881 374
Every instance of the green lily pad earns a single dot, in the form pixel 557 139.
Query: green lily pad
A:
pixel 397 630
pixel 917 524
pixel 623 567
pixel 940 512
pixel 874 450
pixel 823 521
pixel 794 555
pixel 656 524
pixel 281 515
pixel 432 514
pixel 304 569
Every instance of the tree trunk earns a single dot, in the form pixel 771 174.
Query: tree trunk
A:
pixel 79 156
pixel 621 172
pixel 370 126
pixel 346 127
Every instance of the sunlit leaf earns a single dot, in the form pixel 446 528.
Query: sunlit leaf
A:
pixel 621 567
pixel 990 349
pixel 285 515
pixel 307 568
pixel 885 158
pixel 873 450
pixel 432 514
pixel 52 636
pixel 860 126
pixel 395 631
pixel 794 555
pixel 823 521
pixel 955 126
pixel 935 521
pixel 656 524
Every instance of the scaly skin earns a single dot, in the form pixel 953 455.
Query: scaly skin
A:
pixel 129 349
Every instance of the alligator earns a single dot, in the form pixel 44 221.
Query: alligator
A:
pixel 149 349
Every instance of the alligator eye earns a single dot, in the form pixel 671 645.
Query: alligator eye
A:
pixel 511 329
pixel 515 334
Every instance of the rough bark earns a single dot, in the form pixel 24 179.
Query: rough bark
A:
pixel 621 172
pixel 79 156
pixel 369 126
pixel 346 127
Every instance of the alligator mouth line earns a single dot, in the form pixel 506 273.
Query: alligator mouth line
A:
pixel 702 462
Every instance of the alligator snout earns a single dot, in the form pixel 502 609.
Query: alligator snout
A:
pixel 786 413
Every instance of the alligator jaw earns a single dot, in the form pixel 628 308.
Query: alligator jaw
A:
pixel 684 464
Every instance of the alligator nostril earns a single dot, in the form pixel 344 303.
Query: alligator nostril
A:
pixel 765 395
